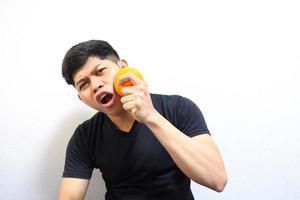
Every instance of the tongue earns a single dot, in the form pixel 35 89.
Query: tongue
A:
pixel 106 98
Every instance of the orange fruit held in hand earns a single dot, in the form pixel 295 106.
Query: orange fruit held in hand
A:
pixel 127 83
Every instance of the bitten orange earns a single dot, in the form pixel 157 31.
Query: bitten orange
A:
pixel 122 71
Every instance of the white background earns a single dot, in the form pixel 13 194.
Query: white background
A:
pixel 238 60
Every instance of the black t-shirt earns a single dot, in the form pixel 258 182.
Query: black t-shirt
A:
pixel 134 165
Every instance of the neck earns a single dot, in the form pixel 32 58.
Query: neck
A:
pixel 123 121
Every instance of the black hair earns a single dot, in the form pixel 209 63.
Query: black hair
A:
pixel 79 54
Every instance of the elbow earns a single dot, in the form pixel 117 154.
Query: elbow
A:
pixel 219 186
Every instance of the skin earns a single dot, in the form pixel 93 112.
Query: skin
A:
pixel 198 157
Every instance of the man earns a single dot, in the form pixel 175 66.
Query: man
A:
pixel 147 146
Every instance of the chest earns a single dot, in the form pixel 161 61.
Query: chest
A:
pixel 136 156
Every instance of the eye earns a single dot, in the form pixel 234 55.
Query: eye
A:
pixel 100 71
pixel 83 85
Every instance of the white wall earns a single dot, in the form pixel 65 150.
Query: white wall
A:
pixel 239 61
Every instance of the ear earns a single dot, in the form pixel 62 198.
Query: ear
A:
pixel 123 63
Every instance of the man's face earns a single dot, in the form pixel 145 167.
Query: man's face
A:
pixel 94 84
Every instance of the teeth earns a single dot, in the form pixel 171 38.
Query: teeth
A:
pixel 102 96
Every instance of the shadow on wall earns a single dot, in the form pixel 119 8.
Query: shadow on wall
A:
pixel 52 164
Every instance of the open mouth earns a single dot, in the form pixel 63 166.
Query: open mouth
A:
pixel 106 98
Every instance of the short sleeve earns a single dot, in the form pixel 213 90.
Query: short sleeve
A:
pixel 77 162
pixel 189 118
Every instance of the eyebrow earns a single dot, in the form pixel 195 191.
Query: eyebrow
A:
pixel 92 72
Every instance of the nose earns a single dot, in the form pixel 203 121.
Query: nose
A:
pixel 96 84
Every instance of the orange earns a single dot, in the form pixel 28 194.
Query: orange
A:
pixel 122 71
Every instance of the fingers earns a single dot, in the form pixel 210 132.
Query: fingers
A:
pixel 130 106
pixel 133 101
pixel 136 99
pixel 139 90
pixel 132 98
pixel 128 98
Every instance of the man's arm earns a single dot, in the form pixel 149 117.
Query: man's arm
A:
pixel 73 189
pixel 198 157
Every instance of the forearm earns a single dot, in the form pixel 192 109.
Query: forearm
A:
pixel 200 162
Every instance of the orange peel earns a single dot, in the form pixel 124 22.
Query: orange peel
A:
pixel 127 83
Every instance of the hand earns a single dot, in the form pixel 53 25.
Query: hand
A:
pixel 136 99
